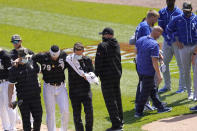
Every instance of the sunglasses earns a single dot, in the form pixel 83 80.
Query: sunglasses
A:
pixel 15 41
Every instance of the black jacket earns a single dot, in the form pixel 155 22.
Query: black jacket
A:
pixel 108 60
pixel 78 86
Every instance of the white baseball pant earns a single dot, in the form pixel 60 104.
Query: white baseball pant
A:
pixel 53 95
pixel 8 115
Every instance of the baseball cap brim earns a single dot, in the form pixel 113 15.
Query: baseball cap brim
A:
pixel 100 33
pixel 189 10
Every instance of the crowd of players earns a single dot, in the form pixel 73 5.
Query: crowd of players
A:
pixel 19 70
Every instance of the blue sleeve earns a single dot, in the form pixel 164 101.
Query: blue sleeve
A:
pixel 137 43
pixel 161 21
pixel 155 51
pixel 162 24
pixel 143 31
pixel 170 29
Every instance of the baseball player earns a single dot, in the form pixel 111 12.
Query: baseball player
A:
pixel 185 26
pixel 147 65
pixel 7 115
pixel 79 87
pixel 52 67
pixel 16 40
pixel 24 76
pixel 144 29
pixel 169 48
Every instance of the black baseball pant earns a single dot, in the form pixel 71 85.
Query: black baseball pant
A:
pixel 112 96
pixel 31 105
pixel 77 102
pixel 146 88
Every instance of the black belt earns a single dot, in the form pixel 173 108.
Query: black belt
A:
pixel 55 83
pixel 3 80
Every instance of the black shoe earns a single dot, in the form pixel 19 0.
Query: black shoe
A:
pixel 114 129
pixel 138 115
pixel 165 109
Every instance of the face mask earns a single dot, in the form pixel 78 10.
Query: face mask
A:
pixel 24 61
pixel 78 57
pixel 187 13
pixel 106 39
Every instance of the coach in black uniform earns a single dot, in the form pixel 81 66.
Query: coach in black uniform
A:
pixel 108 67
pixel 53 65
pixel 17 43
pixel 24 77
pixel 79 90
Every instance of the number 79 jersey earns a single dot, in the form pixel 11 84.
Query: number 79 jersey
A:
pixel 53 71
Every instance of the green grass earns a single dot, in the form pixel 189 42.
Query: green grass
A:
pixel 42 23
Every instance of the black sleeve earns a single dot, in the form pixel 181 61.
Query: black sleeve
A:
pixel 90 65
pixel 7 60
pixel 64 55
pixel 99 59
pixel 12 77
pixel 36 67
pixel 37 58
pixel 30 52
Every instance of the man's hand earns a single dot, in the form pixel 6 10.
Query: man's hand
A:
pixel 179 44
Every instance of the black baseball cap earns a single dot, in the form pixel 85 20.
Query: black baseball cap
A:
pixel 54 48
pixel 107 30
pixel 187 6
pixel 15 37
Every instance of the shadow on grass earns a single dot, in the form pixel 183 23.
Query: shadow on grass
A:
pixel 129 117
pixel 180 118
pixel 166 96
pixel 180 102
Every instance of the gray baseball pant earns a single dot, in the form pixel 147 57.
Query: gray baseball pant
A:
pixel 168 52
pixel 195 78
pixel 186 54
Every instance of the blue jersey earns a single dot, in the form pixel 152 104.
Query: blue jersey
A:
pixel 165 17
pixel 143 29
pixel 185 28
pixel 147 48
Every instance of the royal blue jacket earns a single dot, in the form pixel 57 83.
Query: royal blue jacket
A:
pixel 185 28
pixel 165 17
pixel 143 29
pixel 147 48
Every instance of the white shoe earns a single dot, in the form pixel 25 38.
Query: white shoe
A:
pixel 190 97
pixel 195 99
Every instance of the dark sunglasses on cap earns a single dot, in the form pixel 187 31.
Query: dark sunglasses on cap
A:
pixel 15 41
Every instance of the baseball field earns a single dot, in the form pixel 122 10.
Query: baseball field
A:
pixel 42 23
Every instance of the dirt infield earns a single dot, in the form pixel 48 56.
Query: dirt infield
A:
pixel 143 3
pixel 179 123
pixel 19 127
